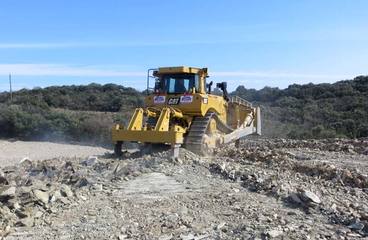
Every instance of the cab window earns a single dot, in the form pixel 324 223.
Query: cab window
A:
pixel 178 83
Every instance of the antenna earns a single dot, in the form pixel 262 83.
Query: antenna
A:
pixel 10 86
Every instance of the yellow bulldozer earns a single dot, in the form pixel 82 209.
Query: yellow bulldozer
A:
pixel 182 110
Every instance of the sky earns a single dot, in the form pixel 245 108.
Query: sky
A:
pixel 255 43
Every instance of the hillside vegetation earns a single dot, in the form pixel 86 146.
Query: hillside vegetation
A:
pixel 66 113
pixel 92 97
pixel 86 113
pixel 314 111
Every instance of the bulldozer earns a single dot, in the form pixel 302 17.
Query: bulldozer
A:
pixel 182 110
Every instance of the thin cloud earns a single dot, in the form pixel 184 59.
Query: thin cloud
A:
pixel 114 71
pixel 110 44
pixel 64 70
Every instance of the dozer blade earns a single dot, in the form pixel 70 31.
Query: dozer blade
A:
pixel 162 132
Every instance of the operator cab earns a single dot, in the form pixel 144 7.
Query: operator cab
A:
pixel 178 80
pixel 179 83
pixel 182 80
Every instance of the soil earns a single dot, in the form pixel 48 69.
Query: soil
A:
pixel 265 189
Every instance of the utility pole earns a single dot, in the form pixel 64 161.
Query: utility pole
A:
pixel 10 85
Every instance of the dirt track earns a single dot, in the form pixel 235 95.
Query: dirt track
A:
pixel 266 189
pixel 13 152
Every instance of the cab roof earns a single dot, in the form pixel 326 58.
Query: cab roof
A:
pixel 181 69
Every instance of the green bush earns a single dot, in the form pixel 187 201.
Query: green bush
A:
pixel 35 123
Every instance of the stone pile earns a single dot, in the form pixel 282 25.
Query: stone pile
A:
pixel 341 176
pixel 359 146
pixel 31 191
pixel 279 158
pixel 269 167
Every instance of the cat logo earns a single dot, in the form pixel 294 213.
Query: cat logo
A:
pixel 173 101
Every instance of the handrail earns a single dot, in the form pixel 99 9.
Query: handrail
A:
pixel 239 100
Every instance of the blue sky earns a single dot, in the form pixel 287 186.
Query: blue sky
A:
pixel 252 43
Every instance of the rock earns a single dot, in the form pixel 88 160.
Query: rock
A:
pixel 64 200
pixel 56 196
pixel 97 187
pixel 66 191
pixel 365 152
pixel 41 196
pixel 189 236
pixel 294 198
pixel 122 236
pixel 123 229
pixel 341 232
pixel 353 235
pixel 274 233
pixel 26 162
pixel 38 214
pixel 236 190
pixel 302 157
pixel 90 161
pixel 364 215
pixel 356 226
pixel 223 167
pixel 16 205
pixel 82 182
pixel 7 192
pixel 291 213
pixel 232 175
pixel 221 225
pixel 348 148
pixel 83 198
pixel 3 180
pixel 25 222
pixel 21 213
pixel 309 197
pixel 92 212
pixel 4 232
pixel 166 237
pixel 200 237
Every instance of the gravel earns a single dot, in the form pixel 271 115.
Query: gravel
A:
pixel 261 190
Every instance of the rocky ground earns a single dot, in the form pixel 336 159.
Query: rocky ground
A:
pixel 265 189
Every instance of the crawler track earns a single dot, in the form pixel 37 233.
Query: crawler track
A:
pixel 195 139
